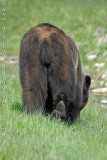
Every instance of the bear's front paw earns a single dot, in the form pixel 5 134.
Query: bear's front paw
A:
pixel 59 111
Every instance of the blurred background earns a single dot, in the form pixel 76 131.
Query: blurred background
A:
pixel 84 20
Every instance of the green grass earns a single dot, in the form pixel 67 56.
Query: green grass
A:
pixel 39 137
pixel 42 138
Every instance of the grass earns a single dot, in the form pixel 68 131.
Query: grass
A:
pixel 43 138
pixel 38 136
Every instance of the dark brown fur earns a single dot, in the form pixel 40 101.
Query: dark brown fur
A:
pixel 51 71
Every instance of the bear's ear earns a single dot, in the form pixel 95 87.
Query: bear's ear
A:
pixel 88 81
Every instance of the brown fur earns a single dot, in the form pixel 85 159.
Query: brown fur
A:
pixel 51 71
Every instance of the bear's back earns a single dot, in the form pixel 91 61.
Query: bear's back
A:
pixel 49 36
pixel 46 42
pixel 43 32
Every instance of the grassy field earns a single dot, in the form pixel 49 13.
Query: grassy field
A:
pixel 24 137
pixel 38 137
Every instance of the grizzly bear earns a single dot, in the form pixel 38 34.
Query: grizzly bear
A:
pixel 51 73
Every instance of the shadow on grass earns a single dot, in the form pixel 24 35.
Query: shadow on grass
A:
pixel 18 107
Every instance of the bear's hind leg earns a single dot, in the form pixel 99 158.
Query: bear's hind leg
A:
pixel 34 88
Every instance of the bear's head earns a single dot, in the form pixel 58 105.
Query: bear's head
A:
pixel 60 107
